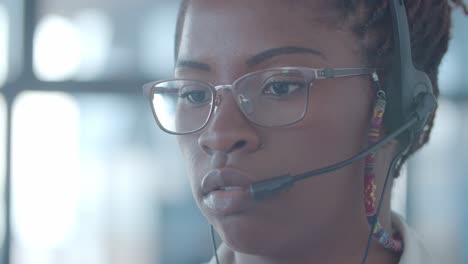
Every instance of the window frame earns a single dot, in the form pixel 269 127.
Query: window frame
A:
pixel 26 80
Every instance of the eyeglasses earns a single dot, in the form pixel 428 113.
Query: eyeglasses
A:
pixel 269 98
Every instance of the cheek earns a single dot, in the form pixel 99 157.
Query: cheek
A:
pixel 338 118
pixel 195 160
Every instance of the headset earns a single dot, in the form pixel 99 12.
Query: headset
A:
pixel 411 102
pixel 415 96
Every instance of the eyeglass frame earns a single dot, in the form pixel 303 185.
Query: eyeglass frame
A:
pixel 309 73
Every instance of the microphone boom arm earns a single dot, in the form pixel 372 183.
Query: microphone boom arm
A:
pixel 266 188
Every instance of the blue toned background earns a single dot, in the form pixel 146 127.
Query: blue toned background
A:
pixel 90 177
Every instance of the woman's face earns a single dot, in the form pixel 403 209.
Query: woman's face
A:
pixel 220 37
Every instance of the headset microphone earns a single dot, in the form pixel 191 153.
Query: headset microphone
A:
pixel 266 188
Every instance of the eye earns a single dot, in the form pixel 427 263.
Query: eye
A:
pixel 196 97
pixel 282 88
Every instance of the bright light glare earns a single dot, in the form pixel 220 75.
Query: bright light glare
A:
pixel 57 49
pixel 3 128
pixel 96 31
pixel 157 43
pixel 165 110
pixel 45 169
pixel 4 39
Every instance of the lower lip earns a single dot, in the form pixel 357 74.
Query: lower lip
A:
pixel 226 202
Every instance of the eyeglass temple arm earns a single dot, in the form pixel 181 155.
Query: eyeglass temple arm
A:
pixel 333 73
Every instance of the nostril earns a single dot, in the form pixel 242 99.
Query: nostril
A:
pixel 239 144
pixel 212 150
pixel 207 149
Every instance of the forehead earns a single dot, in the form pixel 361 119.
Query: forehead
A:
pixel 237 29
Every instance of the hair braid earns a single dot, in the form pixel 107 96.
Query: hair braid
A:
pixel 375 17
pixel 429 22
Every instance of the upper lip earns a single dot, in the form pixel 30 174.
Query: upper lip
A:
pixel 226 177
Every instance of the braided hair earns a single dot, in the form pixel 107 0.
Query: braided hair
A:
pixel 429 22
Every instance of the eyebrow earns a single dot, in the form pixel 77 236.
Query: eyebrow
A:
pixel 270 53
pixel 193 64
pixel 256 59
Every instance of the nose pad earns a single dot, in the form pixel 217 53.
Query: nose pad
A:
pixel 217 102
pixel 246 104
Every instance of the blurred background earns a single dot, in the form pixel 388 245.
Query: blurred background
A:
pixel 91 179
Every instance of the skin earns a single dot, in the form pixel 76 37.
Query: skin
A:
pixel 321 220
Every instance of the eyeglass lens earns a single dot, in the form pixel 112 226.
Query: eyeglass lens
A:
pixel 268 98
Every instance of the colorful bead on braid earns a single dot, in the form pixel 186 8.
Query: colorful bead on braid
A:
pixel 369 177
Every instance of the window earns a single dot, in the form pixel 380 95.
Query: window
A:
pixel 94 181
pixel 107 41
pixel 4 41
pixel 3 152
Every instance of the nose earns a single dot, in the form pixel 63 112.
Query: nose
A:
pixel 229 131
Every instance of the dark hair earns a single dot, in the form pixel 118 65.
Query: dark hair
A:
pixel 429 22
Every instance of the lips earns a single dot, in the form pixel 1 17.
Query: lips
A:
pixel 226 191
pixel 224 179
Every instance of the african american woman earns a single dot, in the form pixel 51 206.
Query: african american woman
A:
pixel 264 88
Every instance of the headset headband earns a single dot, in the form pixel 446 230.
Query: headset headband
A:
pixel 407 87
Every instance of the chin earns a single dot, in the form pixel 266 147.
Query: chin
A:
pixel 243 234
pixel 247 244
